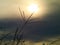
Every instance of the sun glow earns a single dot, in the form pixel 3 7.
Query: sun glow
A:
pixel 33 8
pixel 37 8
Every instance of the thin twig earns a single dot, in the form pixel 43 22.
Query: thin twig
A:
pixel 21 30
pixel 21 14
pixel 15 36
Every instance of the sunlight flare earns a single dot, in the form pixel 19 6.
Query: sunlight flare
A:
pixel 33 8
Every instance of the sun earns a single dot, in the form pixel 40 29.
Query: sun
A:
pixel 33 8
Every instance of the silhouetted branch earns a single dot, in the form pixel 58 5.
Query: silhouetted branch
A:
pixel 15 36
pixel 21 30
pixel 22 14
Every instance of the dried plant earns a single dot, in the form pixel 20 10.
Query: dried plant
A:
pixel 18 34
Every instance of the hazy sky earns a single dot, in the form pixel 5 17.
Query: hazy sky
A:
pixel 48 28
pixel 9 8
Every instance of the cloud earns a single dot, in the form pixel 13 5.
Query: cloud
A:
pixel 47 28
